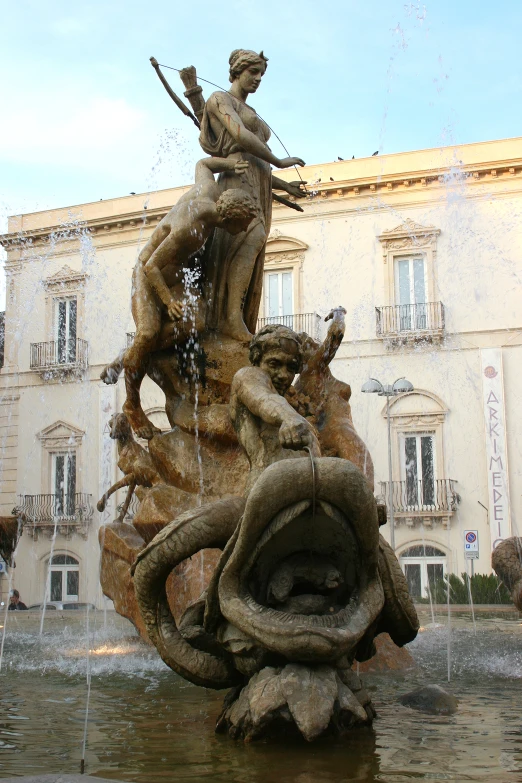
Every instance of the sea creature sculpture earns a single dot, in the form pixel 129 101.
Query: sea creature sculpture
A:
pixel 305 581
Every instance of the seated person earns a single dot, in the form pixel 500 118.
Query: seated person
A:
pixel 158 284
pixel 15 604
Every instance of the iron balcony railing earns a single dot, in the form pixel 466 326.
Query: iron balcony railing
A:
pixel 59 354
pixel 299 322
pixel 412 496
pixel 50 509
pixel 414 318
pixel 133 508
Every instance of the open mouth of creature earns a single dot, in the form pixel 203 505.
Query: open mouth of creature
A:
pixel 303 586
pixel 305 566
pixel 301 583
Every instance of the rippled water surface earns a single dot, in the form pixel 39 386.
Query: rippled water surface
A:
pixel 146 724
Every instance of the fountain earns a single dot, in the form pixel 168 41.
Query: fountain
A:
pixel 254 561
pixel 272 474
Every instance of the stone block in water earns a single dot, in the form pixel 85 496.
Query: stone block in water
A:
pixel 432 699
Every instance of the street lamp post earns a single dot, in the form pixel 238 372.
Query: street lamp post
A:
pixel 400 386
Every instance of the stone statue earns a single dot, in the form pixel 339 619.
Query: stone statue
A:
pixel 254 561
pixel 268 427
pixel 134 462
pixel 330 398
pixel 507 562
pixel 231 128
pixel 10 532
pixel 304 583
pixel 158 285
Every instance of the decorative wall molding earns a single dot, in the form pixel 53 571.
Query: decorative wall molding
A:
pixel 284 248
pixel 66 279
pixel 61 436
pixel 472 177
pixel 427 519
pixel 409 236
pixel 438 404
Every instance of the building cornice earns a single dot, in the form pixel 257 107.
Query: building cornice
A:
pixel 491 172
pixel 65 235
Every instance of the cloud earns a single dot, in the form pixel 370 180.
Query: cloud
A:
pixel 72 132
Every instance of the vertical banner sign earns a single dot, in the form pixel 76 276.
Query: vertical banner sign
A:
pixel 496 447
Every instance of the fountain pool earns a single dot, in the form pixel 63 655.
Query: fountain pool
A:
pixel 145 724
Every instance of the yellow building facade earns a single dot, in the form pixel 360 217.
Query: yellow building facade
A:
pixel 422 248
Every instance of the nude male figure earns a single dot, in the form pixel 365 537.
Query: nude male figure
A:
pixel 268 428
pixel 158 287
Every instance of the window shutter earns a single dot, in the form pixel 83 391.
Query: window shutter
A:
pixel 71 483
pixel 71 345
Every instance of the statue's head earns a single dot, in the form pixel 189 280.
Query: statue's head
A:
pixel 276 350
pixel 248 68
pixel 119 427
pixel 236 210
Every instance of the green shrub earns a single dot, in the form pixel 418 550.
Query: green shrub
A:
pixel 485 589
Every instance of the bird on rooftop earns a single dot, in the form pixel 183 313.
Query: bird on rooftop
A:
pixel 338 158
pixel 132 193
pixel 353 157
pixel 375 153
pixel 331 179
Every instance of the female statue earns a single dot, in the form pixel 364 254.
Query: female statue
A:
pixel 234 265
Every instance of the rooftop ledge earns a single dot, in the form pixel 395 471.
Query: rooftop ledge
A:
pixel 358 177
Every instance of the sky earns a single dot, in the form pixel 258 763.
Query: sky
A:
pixel 84 116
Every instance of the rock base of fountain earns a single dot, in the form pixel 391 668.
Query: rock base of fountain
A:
pixel 62 777
pixel 388 657
pixel 308 700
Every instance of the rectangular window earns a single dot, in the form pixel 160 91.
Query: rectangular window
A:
pixel 279 295
pixel 65 330
pixel 418 467
pixel 410 293
pixel 64 484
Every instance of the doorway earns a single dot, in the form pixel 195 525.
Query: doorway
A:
pixel 423 565
pixel 64 578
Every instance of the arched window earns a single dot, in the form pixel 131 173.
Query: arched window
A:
pixel 63 560
pixel 64 578
pixel 423 564
pixel 423 550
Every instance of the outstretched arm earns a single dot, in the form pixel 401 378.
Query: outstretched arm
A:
pixel 295 188
pixel 252 387
pixel 223 110
pixel 207 167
